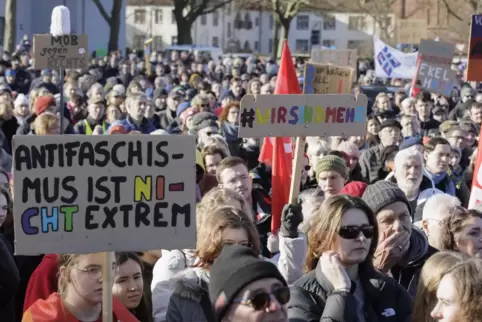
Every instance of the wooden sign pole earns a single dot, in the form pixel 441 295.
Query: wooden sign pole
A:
pixel 107 279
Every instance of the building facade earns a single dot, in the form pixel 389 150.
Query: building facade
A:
pixel 235 29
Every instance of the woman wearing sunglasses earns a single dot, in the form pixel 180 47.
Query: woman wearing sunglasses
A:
pixel 247 288
pixel 341 283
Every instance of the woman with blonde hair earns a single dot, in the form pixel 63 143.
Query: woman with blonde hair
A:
pixel 341 283
pixel 462 232
pixel 47 124
pixel 432 272
pixel 79 296
pixel 459 293
pixel 185 297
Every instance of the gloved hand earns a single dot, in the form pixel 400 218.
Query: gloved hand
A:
pixel 291 218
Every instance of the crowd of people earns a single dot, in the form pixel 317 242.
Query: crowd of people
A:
pixel 380 232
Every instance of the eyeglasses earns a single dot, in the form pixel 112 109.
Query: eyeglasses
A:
pixel 262 300
pixel 96 271
pixel 308 168
pixel 204 105
pixel 352 232
pixel 243 243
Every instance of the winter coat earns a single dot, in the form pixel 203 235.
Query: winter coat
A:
pixel 370 163
pixel 407 271
pixel 171 263
pixel 9 129
pixel 291 256
pixel 9 281
pixel 313 299
pixel 183 298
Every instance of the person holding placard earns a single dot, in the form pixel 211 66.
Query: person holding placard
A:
pixel 79 297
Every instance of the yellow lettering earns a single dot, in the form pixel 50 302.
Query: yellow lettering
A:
pixel 262 119
pixel 319 115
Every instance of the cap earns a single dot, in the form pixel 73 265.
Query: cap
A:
pixel 390 123
pixel 383 193
pixel 331 163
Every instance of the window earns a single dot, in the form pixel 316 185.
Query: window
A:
pixel 256 21
pixel 228 9
pixel 173 17
pixel 173 40
pixel 157 42
pixel 355 44
pixel 215 18
pixel 357 23
pixel 256 45
pixel 158 16
pixel 238 22
pixel 247 47
pixel 203 20
pixel 229 30
pixel 271 22
pixel 302 22
pixel 270 45
pixel 215 42
pixel 138 42
pixel 140 16
pixel 248 24
pixel 302 45
pixel 329 22
pixel 328 43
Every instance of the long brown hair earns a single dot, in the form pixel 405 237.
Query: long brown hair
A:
pixel 325 223
pixel 454 224
pixel 432 272
pixel 224 113
pixel 209 235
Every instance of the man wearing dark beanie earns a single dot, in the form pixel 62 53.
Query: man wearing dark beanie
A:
pixel 402 248
pixel 246 288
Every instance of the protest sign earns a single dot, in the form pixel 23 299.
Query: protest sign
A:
pixel 434 72
pixel 63 52
pixel 392 63
pixel 327 79
pixel 303 115
pixel 84 194
pixel 339 57
pixel 474 68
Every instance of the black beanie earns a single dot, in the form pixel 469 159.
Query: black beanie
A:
pixel 383 193
pixel 234 268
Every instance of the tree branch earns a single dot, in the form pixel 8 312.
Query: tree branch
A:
pixel 216 7
pixel 450 11
pixel 102 11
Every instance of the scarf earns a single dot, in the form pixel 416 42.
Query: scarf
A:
pixel 230 131
pixel 439 177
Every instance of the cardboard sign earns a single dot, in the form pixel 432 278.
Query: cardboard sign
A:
pixel 327 79
pixel 434 72
pixel 63 52
pixel 339 57
pixel 474 68
pixel 85 194
pixel 303 115
pixel 411 31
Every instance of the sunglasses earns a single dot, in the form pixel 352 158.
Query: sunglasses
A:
pixel 352 232
pixel 308 168
pixel 262 300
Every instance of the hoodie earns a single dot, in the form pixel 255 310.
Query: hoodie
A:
pixel 407 271
pixel 53 310
pixel 43 281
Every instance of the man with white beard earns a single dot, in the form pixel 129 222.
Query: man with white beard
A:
pixel 408 174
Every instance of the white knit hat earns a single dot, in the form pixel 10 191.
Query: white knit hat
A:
pixel 21 100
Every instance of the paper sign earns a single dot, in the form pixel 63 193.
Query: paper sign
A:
pixel 63 52
pixel 327 79
pixel 303 115
pixel 85 194
pixel 434 72
pixel 474 68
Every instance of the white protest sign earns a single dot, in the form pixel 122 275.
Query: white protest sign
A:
pixel 85 194
pixel 392 63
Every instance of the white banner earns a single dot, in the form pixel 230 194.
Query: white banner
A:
pixel 392 63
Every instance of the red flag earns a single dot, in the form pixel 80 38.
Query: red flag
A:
pixel 278 152
pixel 476 191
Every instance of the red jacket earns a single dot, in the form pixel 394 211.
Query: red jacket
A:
pixel 43 281
pixel 53 310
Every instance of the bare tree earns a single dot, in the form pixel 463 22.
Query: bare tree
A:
pixel 284 12
pixel 113 20
pixel 10 25
pixel 187 11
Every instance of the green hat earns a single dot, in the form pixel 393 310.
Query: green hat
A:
pixel 331 163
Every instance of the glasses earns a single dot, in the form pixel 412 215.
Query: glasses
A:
pixel 262 300
pixel 204 105
pixel 308 168
pixel 352 232
pixel 243 243
pixel 96 271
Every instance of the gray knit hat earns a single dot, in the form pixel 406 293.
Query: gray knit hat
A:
pixel 331 163
pixel 383 193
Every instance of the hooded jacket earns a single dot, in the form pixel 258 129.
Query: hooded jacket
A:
pixel 53 310
pixel 43 281
pixel 407 272
pixel 313 299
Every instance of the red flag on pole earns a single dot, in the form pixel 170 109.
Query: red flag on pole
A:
pixel 277 152
pixel 476 191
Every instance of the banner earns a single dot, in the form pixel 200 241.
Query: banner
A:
pixel 476 191
pixel 86 194
pixel 392 63
pixel 474 69
pixel 303 115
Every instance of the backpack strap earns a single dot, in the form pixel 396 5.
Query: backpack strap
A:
pixel 207 308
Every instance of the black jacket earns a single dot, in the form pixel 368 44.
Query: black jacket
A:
pixel 314 300
pixel 9 281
